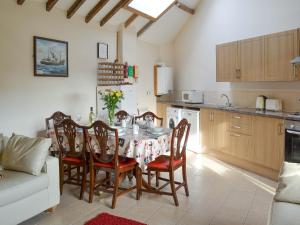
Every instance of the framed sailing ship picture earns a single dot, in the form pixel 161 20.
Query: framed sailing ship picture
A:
pixel 50 57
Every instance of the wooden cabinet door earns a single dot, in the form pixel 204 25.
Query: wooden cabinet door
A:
pixel 241 145
pixel 280 49
pixel 268 137
pixel 226 61
pixel 206 127
pixel 251 60
pixel 219 129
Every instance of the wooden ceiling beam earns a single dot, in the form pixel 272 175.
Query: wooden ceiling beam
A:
pixel 184 7
pixel 20 2
pixel 149 24
pixel 95 10
pixel 130 19
pixel 72 10
pixel 144 28
pixel 50 4
pixel 113 11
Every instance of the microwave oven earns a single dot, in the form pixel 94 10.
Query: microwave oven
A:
pixel 192 97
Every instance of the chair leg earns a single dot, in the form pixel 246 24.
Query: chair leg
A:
pixel 78 174
pixel 69 172
pixel 92 184
pixel 171 173
pixel 149 177
pixel 187 193
pixel 157 175
pixel 116 188
pixel 83 182
pixel 61 177
pixel 138 182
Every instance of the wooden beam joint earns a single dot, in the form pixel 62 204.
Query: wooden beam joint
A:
pixel 95 10
pixel 130 19
pixel 184 7
pixel 50 4
pixel 113 11
pixel 72 10
pixel 20 2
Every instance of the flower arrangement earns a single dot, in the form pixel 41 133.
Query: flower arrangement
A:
pixel 111 99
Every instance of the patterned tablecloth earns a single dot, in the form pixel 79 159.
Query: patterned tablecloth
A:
pixel 144 147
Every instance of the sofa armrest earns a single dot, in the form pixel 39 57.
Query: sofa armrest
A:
pixel 52 169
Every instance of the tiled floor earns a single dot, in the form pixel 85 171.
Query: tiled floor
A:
pixel 220 194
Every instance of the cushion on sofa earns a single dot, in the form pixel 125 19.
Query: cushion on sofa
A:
pixel 288 183
pixel 18 185
pixel 26 154
pixel 283 213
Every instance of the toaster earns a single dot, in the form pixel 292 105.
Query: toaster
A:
pixel 274 105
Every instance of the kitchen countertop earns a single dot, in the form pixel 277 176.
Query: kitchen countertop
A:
pixel 243 110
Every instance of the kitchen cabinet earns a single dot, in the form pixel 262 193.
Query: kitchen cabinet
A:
pixel 280 49
pixel 252 142
pixel 268 135
pixel 161 111
pixel 227 59
pixel 251 59
pixel 213 124
pixel 265 58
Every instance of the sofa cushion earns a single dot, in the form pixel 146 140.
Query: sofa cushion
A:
pixel 283 213
pixel 26 154
pixel 18 185
pixel 289 183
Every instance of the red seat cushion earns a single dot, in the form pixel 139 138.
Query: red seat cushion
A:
pixel 72 160
pixel 163 162
pixel 123 162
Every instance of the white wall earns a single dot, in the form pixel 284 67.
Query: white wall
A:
pixel 219 21
pixel 26 100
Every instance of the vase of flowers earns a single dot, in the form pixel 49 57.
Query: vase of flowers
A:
pixel 111 99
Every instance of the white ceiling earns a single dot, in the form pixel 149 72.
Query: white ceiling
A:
pixel 161 32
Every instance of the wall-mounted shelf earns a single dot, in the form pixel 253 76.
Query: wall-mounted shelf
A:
pixel 110 74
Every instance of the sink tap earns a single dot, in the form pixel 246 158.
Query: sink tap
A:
pixel 228 104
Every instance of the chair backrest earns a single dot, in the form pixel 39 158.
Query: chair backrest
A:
pixel 66 132
pixel 121 115
pixel 149 116
pixel 103 135
pixel 179 140
pixel 57 117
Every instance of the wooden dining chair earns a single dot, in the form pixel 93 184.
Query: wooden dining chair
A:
pixel 149 115
pixel 169 164
pixel 71 154
pixel 56 118
pixel 121 115
pixel 109 161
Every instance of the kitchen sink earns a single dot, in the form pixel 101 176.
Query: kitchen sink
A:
pixel 230 108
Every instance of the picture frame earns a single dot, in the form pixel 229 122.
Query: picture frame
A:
pixel 102 50
pixel 50 57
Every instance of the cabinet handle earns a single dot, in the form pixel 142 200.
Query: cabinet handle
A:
pixel 238 73
pixel 295 71
pixel 237 117
pixel 280 129
pixel 237 127
pixel 235 135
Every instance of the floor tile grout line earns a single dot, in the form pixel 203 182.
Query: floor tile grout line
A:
pixel 252 202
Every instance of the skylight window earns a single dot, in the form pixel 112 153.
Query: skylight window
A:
pixel 153 8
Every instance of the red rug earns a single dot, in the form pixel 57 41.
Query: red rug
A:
pixel 107 219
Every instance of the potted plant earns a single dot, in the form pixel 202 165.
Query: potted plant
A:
pixel 111 99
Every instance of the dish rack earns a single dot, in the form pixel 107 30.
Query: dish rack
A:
pixel 110 74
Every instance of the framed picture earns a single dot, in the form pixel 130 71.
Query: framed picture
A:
pixel 102 52
pixel 50 57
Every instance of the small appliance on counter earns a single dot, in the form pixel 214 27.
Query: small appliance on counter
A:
pixel 261 102
pixel 274 105
pixel 193 97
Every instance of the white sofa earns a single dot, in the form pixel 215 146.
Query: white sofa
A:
pixel 23 196
pixel 285 208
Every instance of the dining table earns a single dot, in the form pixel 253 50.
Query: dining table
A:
pixel 144 146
